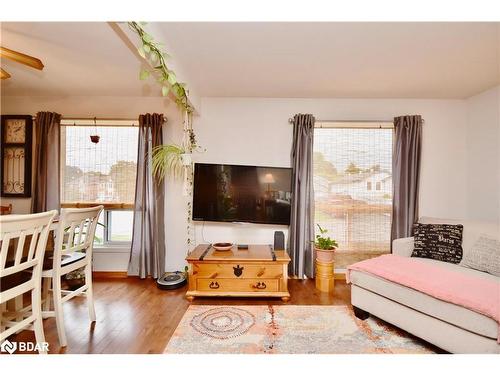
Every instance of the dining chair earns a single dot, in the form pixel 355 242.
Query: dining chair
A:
pixel 20 272
pixel 74 241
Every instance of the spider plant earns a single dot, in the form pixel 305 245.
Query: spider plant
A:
pixel 167 160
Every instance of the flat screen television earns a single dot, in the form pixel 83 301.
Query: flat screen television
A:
pixel 241 193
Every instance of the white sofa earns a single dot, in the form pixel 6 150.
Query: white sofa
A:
pixel 448 326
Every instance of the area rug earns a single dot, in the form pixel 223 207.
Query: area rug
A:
pixel 287 329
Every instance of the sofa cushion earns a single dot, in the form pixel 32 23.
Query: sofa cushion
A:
pixel 472 229
pixel 438 241
pixel 484 255
pixel 448 312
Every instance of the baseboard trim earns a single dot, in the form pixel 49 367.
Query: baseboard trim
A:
pixel 110 275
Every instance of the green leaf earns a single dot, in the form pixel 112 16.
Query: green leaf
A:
pixel 144 74
pixel 148 38
pixel 164 90
pixel 146 48
pixel 171 79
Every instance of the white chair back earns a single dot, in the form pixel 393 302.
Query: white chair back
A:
pixel 76 232
pixel 14 231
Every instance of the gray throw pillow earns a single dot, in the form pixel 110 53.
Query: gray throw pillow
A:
pixel 484 255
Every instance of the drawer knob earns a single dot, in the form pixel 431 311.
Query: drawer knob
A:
pixel 238 271
pixel 214 285
pixel 259 285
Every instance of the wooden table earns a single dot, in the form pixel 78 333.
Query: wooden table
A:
pixel 258 271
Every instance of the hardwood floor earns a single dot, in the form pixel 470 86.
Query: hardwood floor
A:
pixel 134 316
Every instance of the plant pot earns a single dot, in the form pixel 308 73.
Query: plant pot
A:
pixel 325 256
pixel 95 138
pixel 186 159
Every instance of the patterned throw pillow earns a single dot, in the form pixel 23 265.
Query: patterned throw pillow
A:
pixel 438 241
pixel 484 255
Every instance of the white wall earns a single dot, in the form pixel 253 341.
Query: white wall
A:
pixel 255 131
pixel 116 258
pixel 483 156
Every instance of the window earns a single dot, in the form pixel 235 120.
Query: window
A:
pixel 101 173
pixel 349 159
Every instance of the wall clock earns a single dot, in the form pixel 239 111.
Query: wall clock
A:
pixel 16 140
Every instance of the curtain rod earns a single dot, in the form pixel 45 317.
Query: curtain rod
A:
pixel 91 119
pixel 97 118
pixel 290 121
pixel 98 122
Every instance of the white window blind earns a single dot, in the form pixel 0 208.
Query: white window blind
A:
pixel 353 188
pixel 104 172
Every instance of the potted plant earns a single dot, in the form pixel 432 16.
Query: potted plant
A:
pixel 324 246
pixel 168 160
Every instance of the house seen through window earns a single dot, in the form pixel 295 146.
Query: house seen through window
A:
pixel 101 173
pixel 353 188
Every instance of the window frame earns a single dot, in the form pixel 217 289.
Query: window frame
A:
pixel 108 222
pixel 108 206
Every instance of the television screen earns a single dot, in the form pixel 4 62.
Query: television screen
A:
pixel 239 193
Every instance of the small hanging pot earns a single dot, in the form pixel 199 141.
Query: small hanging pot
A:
pixel 95 138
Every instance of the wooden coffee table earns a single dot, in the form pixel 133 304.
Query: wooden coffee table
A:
pixel 259 271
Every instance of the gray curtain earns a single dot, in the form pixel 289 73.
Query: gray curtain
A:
pixel 46 184
pixel 147 257
pixel 406 174
pixel 301 233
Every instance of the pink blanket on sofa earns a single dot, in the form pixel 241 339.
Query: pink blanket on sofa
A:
pixel 474 293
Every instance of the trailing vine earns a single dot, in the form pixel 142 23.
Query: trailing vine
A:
pixel 170 159
pixel 151 51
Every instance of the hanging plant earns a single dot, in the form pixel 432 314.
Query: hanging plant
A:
pixel 173 160
pixel 167 160
pixel 95 137
pixel 151 51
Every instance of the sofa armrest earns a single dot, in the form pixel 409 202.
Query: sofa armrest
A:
pixel 403 246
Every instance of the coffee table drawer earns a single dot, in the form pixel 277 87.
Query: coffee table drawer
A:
pixel 238 270
pixel 237 285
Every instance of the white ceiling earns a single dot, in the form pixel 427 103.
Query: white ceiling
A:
pixel 80 59
pixel 364 60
